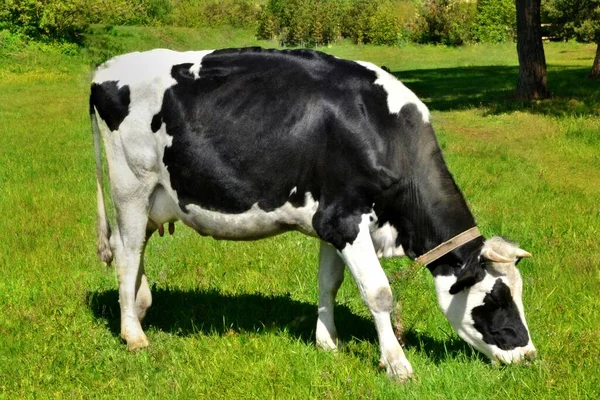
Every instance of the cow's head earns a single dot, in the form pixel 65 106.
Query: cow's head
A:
pixel 483 302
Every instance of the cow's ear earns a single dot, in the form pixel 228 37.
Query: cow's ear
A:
pixel 467 277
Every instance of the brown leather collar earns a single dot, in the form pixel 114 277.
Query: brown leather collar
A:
pixel 448 246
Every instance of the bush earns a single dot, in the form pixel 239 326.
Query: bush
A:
pixel 367 21
pixel 446 22
pixel 10 43
pixel 158 12
pixel 67 20
pixel 384 26
pixel 301 22
pixel 197 13
pixel 63 20
pixel 573 19
pixel 316 22
pixel 588 31
pixel 496 21
pixel 236 13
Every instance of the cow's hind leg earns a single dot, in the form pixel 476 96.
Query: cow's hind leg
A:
pixel 362 261
pixel 128 243
pixel 331 276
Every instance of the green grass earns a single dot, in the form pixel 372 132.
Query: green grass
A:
pixel 236 320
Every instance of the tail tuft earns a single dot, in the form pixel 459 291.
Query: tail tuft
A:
pixel 104 251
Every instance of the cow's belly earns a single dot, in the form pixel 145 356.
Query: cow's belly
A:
pixel 254 223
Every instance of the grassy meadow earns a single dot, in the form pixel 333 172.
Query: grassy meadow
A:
pixel 236 320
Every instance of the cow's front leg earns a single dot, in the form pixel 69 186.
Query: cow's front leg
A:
pixel 128 244
pixel 361 259
pixel 143 296
pixel 331 276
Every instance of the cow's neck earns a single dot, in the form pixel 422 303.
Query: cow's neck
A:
pixel 429 208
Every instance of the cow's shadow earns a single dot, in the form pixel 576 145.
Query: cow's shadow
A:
pixel 210 312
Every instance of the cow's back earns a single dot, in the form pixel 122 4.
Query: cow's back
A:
pixel 239 130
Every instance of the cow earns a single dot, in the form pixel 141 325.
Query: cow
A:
pixel 243 144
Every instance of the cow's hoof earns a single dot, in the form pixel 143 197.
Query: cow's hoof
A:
pixel 328 344
pixel 398 371
pixel 138 342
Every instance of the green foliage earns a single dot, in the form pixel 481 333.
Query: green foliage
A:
pixel 158 12
pixel 374 22
pixel 446 22
pixel 573 19
pixel 315 22
pixel 199 13
pixel 292 22
pixel 496 21
pixel 301 22
pixel 67 20
pixel 45 19
pixel 122 12
pixel 10 43
pixel 236 13
pixel 588 31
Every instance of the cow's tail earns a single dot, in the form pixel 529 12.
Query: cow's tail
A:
pixel 103 226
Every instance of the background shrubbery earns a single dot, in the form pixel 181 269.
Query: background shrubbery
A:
pixel 305 22
pixel 573 19
pixel 67 20
pixel 316 22
pixel 445 21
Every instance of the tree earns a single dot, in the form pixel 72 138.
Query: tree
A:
pixel 532 83
pixel 595 72
pixel 576 19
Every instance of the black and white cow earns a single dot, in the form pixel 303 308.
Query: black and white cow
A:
pixel 243 144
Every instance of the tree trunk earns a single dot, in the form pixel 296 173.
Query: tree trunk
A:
pixel 532 60
pixel 595 72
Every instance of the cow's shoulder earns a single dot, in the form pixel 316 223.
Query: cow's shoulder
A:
pixel 398 95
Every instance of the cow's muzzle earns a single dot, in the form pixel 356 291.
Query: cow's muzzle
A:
pixel 516 356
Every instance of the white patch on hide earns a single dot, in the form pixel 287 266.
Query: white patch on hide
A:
pixel 384 241
pixel 398 94
pixel 254 223
pixel 148 69
pixel 457 308
pixel 134 153
pixel 195 70
pixel 148 76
